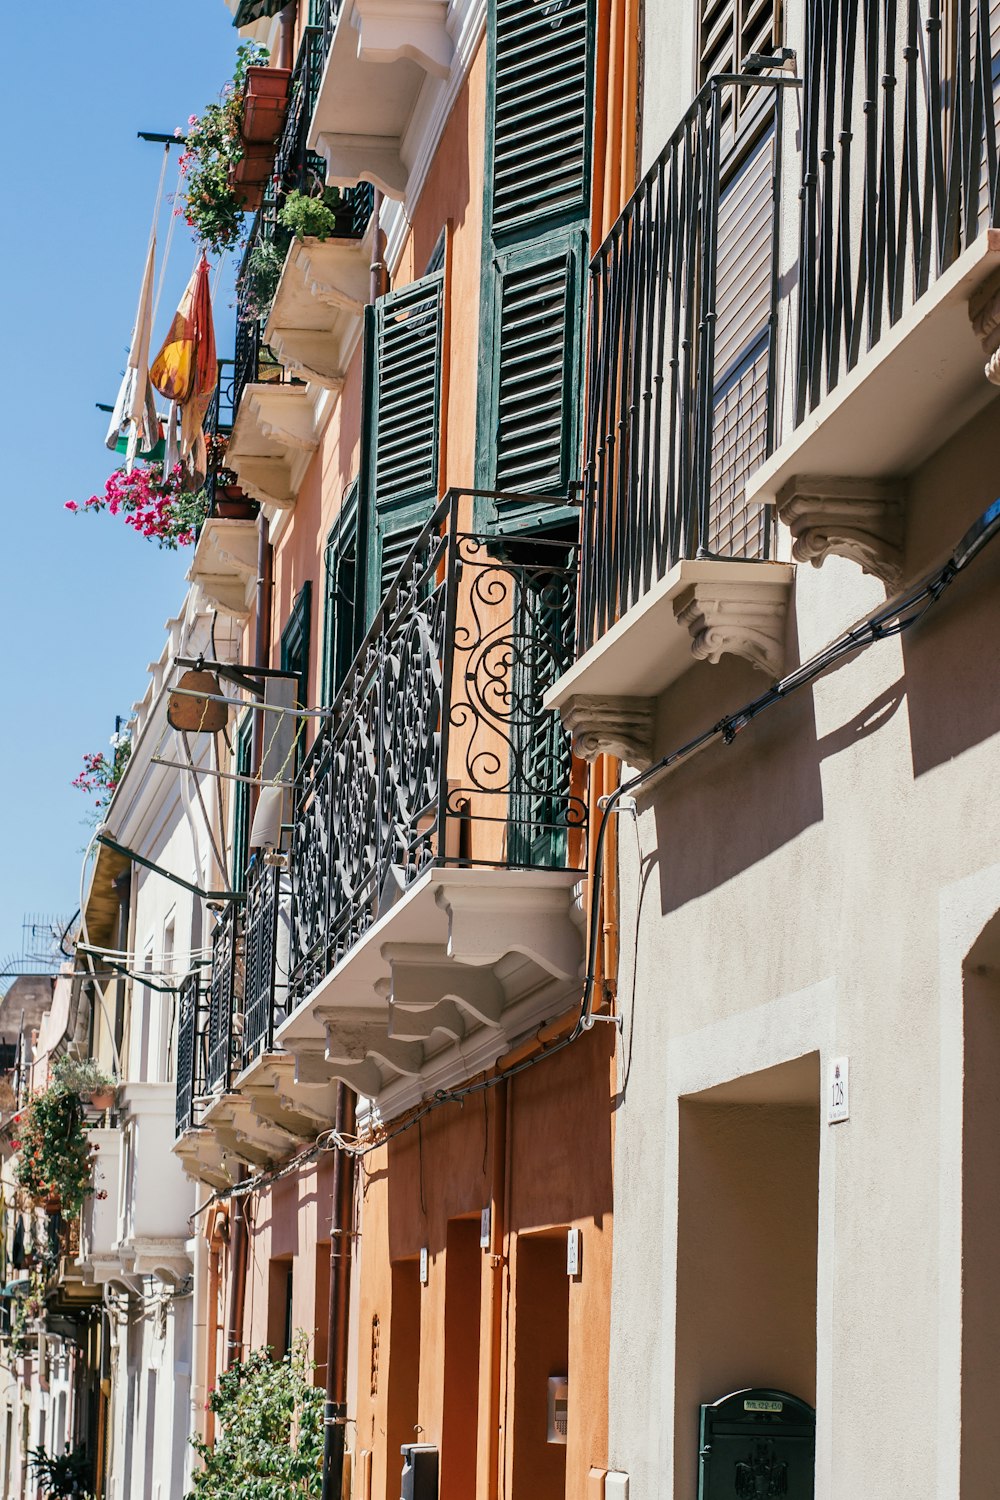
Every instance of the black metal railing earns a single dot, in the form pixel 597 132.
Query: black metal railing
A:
pixel 224 1001
pixel 437 749
pixel 190 1051
pixel 899 168
pixel 680 404
pixel 264 988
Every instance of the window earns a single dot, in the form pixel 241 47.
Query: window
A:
pixel 730 31
pixel 241 801
pixel 295 658
pixel 342 609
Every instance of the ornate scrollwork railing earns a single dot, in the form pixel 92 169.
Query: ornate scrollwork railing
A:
pixel 438 749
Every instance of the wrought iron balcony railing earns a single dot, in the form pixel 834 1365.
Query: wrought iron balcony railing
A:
pixel 191 1041
pixel 437 749
pixel 899 168
pixel 683 296
pixel 296 168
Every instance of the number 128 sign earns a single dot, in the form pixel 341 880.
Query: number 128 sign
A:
pixel 838 1105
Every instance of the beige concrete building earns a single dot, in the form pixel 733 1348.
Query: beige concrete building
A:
pixel 789 329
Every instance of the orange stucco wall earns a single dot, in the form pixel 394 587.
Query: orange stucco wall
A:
pixel 556 1172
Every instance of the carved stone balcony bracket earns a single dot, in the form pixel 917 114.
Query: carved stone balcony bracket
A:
pixel 860 519
pixel 984 315
pixel 392 29
pixel 461 966
pixel 225 565
pixel 733 619
pixel 273 439
pixel 611 726
pixel 315 320
pixel 484 924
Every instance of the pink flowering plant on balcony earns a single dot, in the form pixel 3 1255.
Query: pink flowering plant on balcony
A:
pixel 155 504
pixel 102 772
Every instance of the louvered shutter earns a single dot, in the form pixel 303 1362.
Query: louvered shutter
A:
pixel 537 348
pixel 541 112
pixel 405 412
pixel 742 349
pixel 537 203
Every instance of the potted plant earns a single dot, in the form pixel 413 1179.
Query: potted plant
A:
pixel 214 201
pixel 161 507
pixel 54 1150
pixel 320 216
pixel 61 1478
pixel 265 103
pixel 87 1079
pixel 101 773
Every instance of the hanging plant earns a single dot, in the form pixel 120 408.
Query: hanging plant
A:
pixel 258 280
pixel 85 1078
pixel 269 1439
pixel 101 773
pixel 157 505
pixel 28 1307
pixel 212 205
pixel 54 1162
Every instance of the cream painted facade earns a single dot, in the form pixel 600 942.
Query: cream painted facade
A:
pixel 825 887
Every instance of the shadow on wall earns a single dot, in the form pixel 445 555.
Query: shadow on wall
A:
pixel 951 659
pixel 764 789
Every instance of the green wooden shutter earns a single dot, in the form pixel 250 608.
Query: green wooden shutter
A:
pixel 342 608
pixel 538 155
pixel 536 339
pixel 541 113
pixel 405 411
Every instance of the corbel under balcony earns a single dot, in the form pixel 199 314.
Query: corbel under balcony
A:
pixel 317 313
pixel 273 439
pixel 926 377
pixel 225 565
pixel 166 1259
pixel 380 57
pixel 466 964
pixel 701 610
pixel 206 1160
pixel 247 1136
pixel 269 1083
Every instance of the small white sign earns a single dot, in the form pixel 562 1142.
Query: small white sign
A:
pixel 573 1253
pixel 423 1266
pixel 838 1102
pixel 484 1229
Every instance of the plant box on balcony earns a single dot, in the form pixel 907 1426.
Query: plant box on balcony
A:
pixel 254 166
pixel 265 104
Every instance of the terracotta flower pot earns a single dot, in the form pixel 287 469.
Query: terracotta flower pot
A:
pixel 264 82
pixel 254 166
pixel 52 1204
pixel 232 509
pixel 263 119
pixel 102 1098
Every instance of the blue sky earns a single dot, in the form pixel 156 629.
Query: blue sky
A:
pixel 84 599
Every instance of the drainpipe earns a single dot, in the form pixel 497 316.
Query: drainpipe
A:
pixel 199 1333
pixel 123 887
pixel 498 1228
pixel 286 35
pixel 337 1340
pixel 237 1281
pixel 378 270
